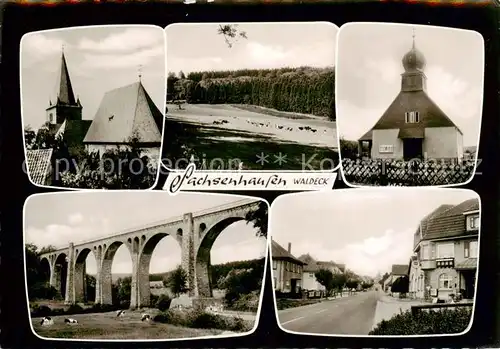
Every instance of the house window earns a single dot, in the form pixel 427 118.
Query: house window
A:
pixel 445 281
pixel 412 117
pixel 275 282
pixel 387 148
pixel 425 253
pixel 287 283
pixel 275 264
pixel 474 222
pixel 445 250
pixel 311 275
pixel 473 249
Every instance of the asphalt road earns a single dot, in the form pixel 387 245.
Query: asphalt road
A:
pixel 351 315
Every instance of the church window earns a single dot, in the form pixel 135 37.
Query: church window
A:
pixel 412 117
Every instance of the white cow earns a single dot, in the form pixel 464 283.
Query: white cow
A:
pixel 70 321
pixel 47 321
pixel 146 317
pixel 120 313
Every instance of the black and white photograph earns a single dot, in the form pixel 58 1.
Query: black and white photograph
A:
pixel 409 104
pixel 184 266
pixel 361 263
pixel 251 96
pixel 93 101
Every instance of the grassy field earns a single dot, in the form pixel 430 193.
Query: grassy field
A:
pixel 108 326
pixel 213 143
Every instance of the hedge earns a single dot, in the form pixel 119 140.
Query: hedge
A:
pixel 425 322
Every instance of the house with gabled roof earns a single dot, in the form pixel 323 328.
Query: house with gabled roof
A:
pixel 124 115
pixel 287 269
pixel 445 252
pixel 312 266
pixel 397 271
pixel 413 126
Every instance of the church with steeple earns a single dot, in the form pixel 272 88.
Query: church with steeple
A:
pixel 413 126
pixel 64 114
pixel 125 114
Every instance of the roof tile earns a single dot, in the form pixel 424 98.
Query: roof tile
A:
pixel 38 163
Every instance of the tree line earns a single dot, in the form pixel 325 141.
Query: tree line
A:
pixel 303 90
pixel 338 281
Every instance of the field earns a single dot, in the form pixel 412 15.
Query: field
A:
pixel 232 133
pixel 108 326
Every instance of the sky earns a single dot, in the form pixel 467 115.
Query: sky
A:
pixel 369 67
pixel 99 59
pixel 369 230
pixel 198 47
pixel 58 219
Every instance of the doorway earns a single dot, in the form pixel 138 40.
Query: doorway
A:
pixel 412 148
pixel 469 283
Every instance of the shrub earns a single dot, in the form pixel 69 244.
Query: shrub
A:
pixel 163 302
pixel 153 300
pixel 202 319
pixel 74 309
pixel 348 149
pixel 247 302
pixel 40 311
pixel 426 322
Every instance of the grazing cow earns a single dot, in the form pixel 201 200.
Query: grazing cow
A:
pixel 70 321
pixel 146 317
pixel 120 313
pixel 46 321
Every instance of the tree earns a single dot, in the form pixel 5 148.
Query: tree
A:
pixel 122 291
pixel 29 137
pixel 259 218
pixel 401 285
pixel 339 281
pixel 177 281
pixel 231 33
pixel 326 278
pixel 182 76
pixel 37 278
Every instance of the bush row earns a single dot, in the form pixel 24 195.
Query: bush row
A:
pixel 284 303
pixel 425 322
pixel 43 310
pixel 201 319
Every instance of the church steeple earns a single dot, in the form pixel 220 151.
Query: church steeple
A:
pixel 65 95
pixel 66 106
pixel 413 79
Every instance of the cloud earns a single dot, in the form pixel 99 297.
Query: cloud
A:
pixel 41 45
pixel 386 69
pixel 375 254
pixel 268 54
pixel 54 234
pixel 244 250
pixel 75 218
pixel 120 61
pixel 127 40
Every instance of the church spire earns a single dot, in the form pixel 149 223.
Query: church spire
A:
pixel 413 36
pixel 65 95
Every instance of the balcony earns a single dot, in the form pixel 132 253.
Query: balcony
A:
pixel 428 264
pixel 445 262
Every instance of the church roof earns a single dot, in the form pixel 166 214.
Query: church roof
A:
pixel 73 131
pixel 394 117
pixel 124 113
pixel 65 95
pixel 38 162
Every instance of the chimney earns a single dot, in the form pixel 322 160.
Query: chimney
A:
pixel 289 247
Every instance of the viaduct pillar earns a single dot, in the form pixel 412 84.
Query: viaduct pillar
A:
pixel 188 253
pixel 70 286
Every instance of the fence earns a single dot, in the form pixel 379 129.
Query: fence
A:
pixel 415 309
pixel 406 173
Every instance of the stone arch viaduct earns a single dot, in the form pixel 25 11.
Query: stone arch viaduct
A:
pixel 195 233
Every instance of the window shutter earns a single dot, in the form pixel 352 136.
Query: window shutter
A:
pixel 466 249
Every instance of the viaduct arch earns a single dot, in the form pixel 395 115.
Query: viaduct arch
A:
pixel 194 232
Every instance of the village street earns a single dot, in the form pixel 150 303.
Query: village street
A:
pixel 352 315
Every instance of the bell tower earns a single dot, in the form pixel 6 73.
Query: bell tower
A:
pixel 413 79
pixel 65 107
